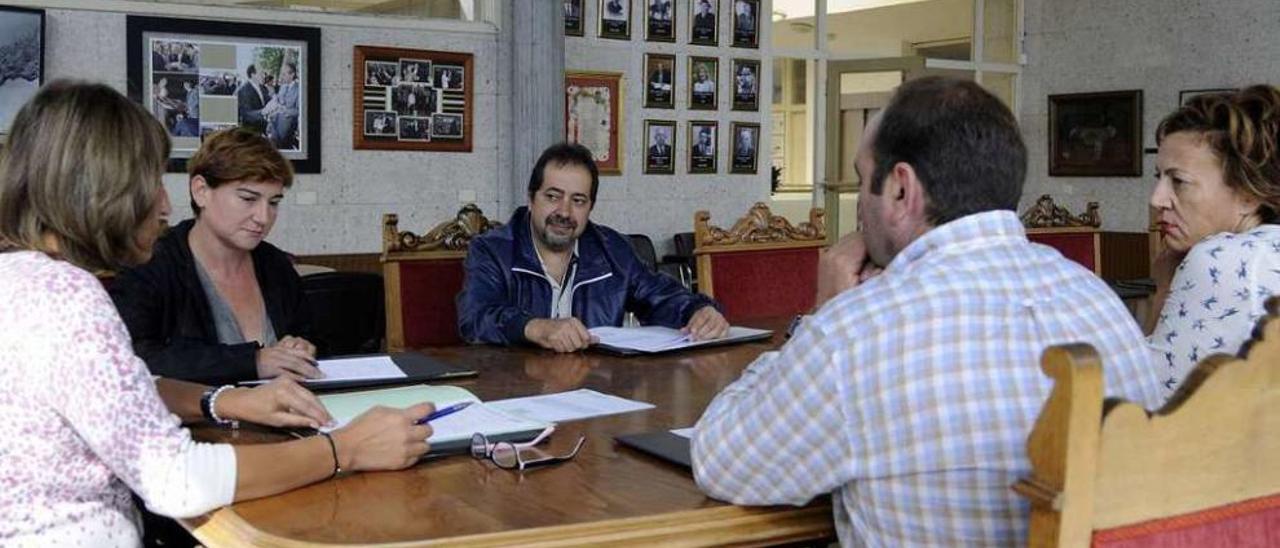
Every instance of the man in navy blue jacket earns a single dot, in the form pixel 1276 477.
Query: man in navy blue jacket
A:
pixel 550 273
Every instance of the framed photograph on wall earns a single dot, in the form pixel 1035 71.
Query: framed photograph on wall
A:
pixel 659 89
pixel 411 99
pixel 1096 134
pixel 573 17
pixel 746 84
pixel 660 21
pixel 1189 94
pixel 746 147
pixel 703 90
pixel 746 23
pixel 704 23
pixel 593 116
pixel 21 60
pixel 703 153
pixel 198 77
pixel 660 147
pixel 615 19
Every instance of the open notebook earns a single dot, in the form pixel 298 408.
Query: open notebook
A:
pixel 451 433
pixel 652 339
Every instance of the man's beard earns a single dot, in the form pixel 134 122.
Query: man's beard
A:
pixel 556 242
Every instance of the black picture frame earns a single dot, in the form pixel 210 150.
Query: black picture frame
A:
pixel 614 19
pixel 24 40
pixel 700 160
pixel 745 149
pixel 1188 94
pixel 660 20
pixel 1095 134
pixel 220 48
pixel 660 157
pixel 659 80
pixel 704 93
pixel 704 31
pixel 746 23
pixel 573 18
pixel 745 83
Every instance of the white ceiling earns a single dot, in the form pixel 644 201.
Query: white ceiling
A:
pixel 791 9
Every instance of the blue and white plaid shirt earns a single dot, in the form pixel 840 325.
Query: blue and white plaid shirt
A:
pixel 910 398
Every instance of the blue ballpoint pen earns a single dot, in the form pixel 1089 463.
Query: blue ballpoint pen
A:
pixel 443 412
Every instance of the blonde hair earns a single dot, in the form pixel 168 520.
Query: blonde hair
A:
pixel 238 154
pixel 83 166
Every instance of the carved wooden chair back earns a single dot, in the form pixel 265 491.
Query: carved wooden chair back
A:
pixel 762 266
pixel 423 275
pixel 1204 470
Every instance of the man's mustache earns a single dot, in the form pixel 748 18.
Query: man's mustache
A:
pixel 560 221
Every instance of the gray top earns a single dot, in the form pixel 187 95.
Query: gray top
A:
pixel 224 320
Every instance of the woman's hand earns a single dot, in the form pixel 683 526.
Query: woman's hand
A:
pixel 384 438
pixel 291 357
pixel 281 402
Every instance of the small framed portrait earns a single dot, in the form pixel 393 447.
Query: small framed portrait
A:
pixel 1188 94
pixel 573 17
pixel 746 21
pixel 703 72
pixel 413 100
pixel 615 19
pixel 659 89
pixel 21 60
pixel 1096 134
pixel 746 84
pixel 660 21
pixel 415 71
pixel 660 147
pixel 702 147
pixel 449 77
pixel 414 128
pixel 703 22
pixel 380 123
pixel 746 141
pixel 447 126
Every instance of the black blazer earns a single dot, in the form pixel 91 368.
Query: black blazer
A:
pixel 171 323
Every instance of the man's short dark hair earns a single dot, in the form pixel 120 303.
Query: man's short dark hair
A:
pixel 962 142
pixel 251 71
pixel 562 155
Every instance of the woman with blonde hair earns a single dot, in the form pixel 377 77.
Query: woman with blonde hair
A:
pixel 1217 195
pixel 83 421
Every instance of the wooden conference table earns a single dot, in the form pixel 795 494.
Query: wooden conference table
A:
pixel 609 494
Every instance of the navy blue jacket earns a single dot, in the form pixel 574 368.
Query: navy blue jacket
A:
pixel 505 285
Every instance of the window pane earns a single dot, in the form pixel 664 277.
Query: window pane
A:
pixel 1003 86
pixel 1000 28
pixel 872 29
pixel 436 9
pixel 792 125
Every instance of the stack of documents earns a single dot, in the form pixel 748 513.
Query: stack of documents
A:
pixel 652 338
pixel 456 427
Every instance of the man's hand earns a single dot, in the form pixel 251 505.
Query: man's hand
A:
pixel 705 324
pixel 281 402
pixel 843 266
pixel 562 335
pixel 291 357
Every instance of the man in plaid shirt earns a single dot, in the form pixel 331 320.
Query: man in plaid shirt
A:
pixel 910 393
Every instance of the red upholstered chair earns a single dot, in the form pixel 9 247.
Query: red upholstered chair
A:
pixel 1080 244
pixel 763 266
pixel 1203 471
pixel 423 275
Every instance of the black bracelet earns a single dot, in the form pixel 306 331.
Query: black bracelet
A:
pixel 337 468
pixel 206 404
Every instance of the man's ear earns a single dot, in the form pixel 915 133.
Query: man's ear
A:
pixel 912 193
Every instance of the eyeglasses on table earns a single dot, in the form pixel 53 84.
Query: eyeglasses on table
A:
pixel 510 456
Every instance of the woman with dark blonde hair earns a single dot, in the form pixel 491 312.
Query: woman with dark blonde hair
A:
pixel 1217 194
pixel 217 303
pixel 83 421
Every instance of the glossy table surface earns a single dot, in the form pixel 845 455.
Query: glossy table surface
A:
pixel 608 494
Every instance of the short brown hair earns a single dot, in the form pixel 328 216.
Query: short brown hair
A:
pixel 1243 130
pixel 238 154
pixel 83 165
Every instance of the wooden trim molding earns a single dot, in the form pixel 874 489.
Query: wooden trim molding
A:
pixel 758 229
pixel 451 236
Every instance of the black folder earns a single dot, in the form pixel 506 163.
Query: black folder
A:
pixel 662 444
pixel 417 368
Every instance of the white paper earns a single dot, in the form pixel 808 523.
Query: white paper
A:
pixel 478 417
pixel 686 433
pixel 653 338
pixel 568 406
pixel 358 369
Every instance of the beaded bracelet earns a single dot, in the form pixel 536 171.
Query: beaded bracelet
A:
pixel 337 467
pixel 213 406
